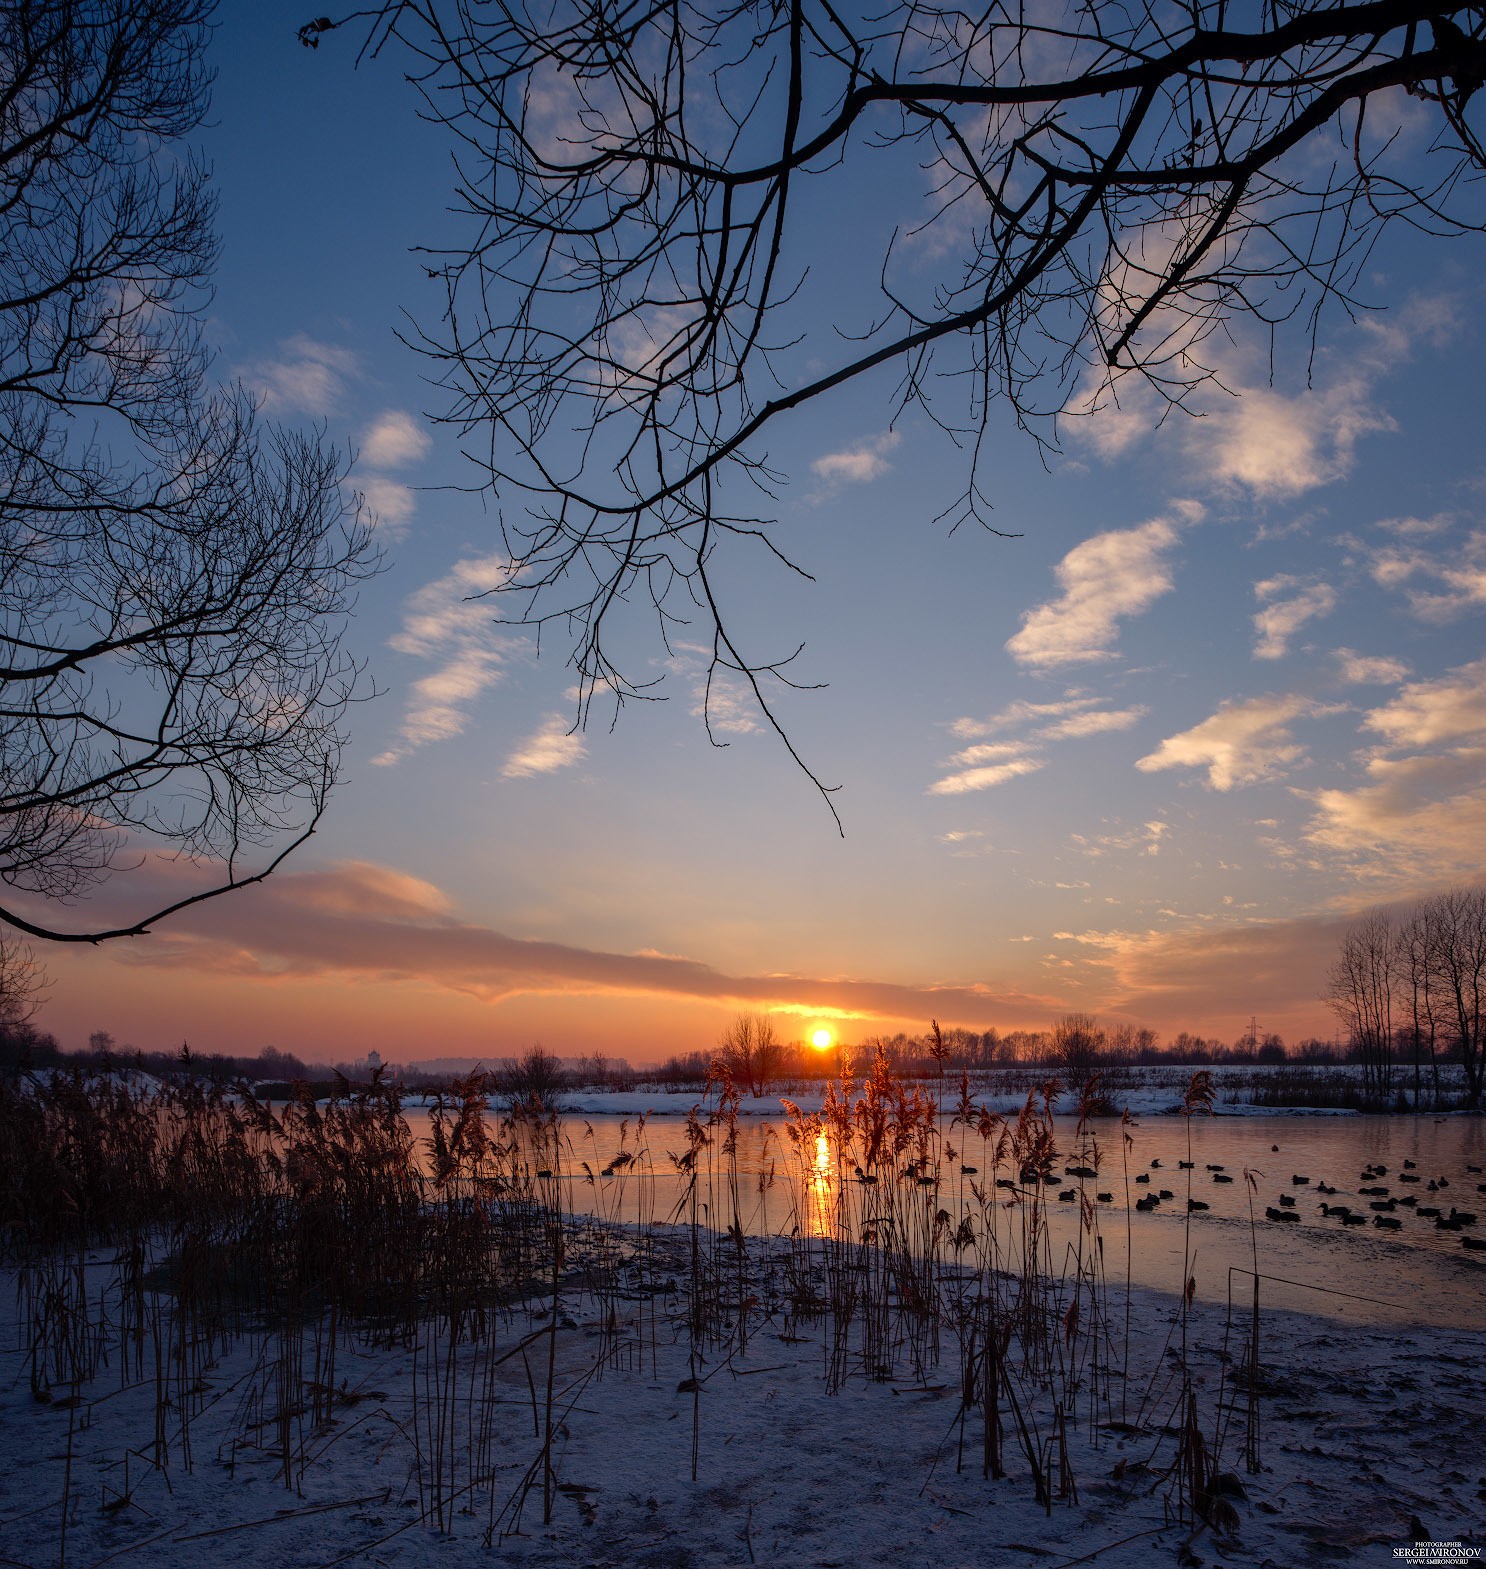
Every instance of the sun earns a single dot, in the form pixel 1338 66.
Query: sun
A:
pixel 821 1039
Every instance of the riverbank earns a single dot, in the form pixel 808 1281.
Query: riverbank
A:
pixel 1365 1439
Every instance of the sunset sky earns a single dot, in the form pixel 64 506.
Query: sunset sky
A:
pixel 1225 688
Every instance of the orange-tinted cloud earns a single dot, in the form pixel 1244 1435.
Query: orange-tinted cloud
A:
pixel 367 921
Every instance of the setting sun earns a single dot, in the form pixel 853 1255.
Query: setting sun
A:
pixel 821 1039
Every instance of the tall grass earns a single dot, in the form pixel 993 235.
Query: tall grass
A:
pixel 913 1246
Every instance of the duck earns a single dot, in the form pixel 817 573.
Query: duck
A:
pixel 1387 1222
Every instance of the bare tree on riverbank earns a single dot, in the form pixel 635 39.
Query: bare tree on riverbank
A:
pixel 1420 977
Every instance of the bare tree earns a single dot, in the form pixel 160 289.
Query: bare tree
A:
pixel 750 1052
pixel 1360 992
pixel 1108 186
pixel 1417 1002
pixel 1078 1048
pixel 174 579
pixel 23 984
pixel 1457 963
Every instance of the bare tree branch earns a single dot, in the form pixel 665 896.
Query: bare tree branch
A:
pixel 627 314
pixel 174 579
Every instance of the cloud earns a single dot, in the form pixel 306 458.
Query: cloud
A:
pixel 308 377
pixel 393 440
pixel 988 763
pixel 1242 743
pixel 1421 814
pixel 1457 575
pixel 1019 713
pixel 1104 580
pixel 984 778
pixel 554 746
pixel 1100 722
pixel 1449 708
pixel 1369 669
pixel 1254 436
pixel 1207 977
pixel 856 465
pixel 1278 446
pixel 446 621
pixel 369 923
pixel 391 504
pixel 1282 618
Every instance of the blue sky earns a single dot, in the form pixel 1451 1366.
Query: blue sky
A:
pixel 1222 690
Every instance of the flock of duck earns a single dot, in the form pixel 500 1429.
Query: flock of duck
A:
pixel 1381 1201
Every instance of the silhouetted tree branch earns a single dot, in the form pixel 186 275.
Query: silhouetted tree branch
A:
pixel 633 308
pixel 173 578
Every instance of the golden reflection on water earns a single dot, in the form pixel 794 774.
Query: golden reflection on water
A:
pixel 820 1186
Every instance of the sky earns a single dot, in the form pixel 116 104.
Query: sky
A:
pixel 1224 688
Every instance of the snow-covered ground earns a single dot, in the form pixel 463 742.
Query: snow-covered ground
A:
pixel 1368 1438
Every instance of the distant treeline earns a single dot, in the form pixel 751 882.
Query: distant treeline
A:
pixel 749 1050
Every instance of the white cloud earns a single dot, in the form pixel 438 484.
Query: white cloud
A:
pixel 985 778
pixel 1283 617
pixel 1105 579
pixel 857 464
pixel 1369 669
pixel 1421 816
pixel 1100 722
pixel 1459 572
pixel 1020 713
pixel 308 377
pixel 1256 436
pixel 1278 446
pixel 1241 743
pixel 1450 708
pixel 554 746
pixel 989 752
pixel 393 440
pixel 987 763
pixel 391 504
pixel 447 622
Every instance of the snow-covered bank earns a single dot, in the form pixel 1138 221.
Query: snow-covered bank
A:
pixel 1365 1436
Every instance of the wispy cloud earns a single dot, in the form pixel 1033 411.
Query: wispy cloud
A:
pixel 1369 669
pixel 1104 580
pixel 1242 743
pixel 390 503
pixel 1021 713
pixel 446 622
pixel 555 745
pixel 1102 721
pixel 306 377
pixel 855 465
pixel 1289 603
pixel 985 764
pixel 1440 583
pixel 985 777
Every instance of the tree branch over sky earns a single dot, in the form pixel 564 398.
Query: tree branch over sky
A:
pixel 173 578
pixel 1059 200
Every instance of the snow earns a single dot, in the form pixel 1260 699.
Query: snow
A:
pixel 1364 1429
